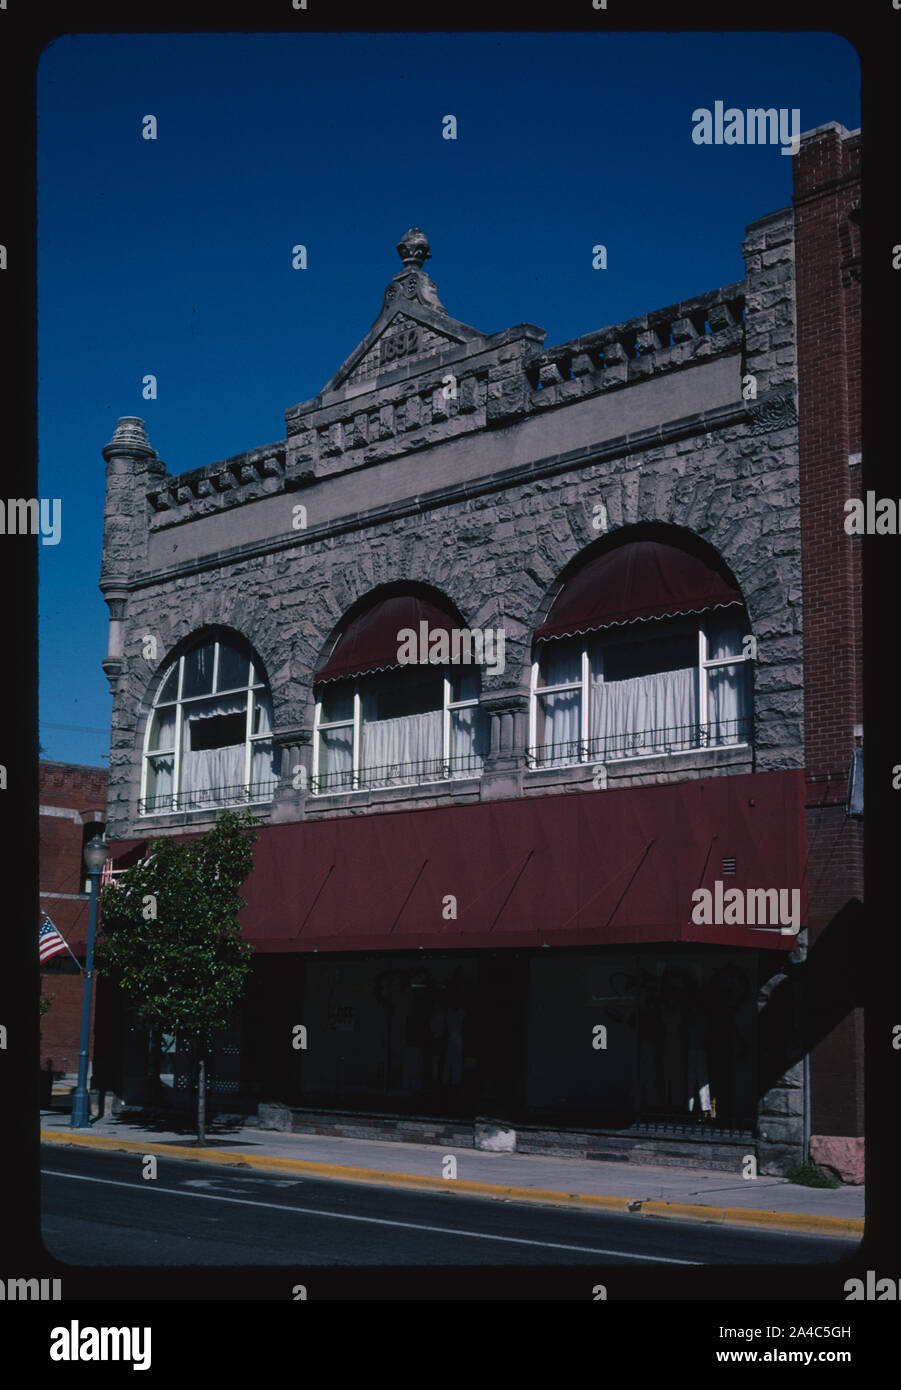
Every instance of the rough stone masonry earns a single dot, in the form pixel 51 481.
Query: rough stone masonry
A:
pixel 473 463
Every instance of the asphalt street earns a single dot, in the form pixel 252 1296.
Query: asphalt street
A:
pixel 98 1209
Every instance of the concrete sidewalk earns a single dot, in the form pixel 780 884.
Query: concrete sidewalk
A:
pixel 696 1194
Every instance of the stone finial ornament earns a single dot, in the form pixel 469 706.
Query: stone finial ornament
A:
pixel 412 283
pixel 413 249
pixel 130 438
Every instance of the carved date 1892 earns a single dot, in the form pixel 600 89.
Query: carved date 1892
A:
pixel 399 345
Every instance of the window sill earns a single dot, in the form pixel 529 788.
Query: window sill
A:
pixel 447 789
pixel 659 767
pixel 165 820
pixel 212 808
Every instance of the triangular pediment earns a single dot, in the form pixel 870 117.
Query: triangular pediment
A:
pixel 408 329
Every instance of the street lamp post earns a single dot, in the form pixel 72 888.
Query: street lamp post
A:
pixel 94 858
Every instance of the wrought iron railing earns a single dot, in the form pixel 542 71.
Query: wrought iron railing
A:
pixel 209 798
pixel 407 774
pixel 682 738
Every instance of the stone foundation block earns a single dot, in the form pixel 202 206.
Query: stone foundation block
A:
pixel 494 1137
pixel 843 1156
pixel 274 1116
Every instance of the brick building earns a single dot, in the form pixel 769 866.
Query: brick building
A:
pixel 827 234
pixel 477 882
pixel 72 810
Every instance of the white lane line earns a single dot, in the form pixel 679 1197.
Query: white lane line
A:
pixel 370 1220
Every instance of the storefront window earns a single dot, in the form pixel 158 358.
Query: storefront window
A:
pixel 620 1040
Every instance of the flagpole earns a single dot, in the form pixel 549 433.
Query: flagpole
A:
pixel 71 952
pixel 95 858
pixel 61 937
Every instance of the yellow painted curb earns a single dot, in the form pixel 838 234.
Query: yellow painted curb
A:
pixel 826 1225
pixel 750 1216
pixel 332 1170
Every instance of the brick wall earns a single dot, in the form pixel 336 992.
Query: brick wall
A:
pixel 827 189
pixel 828 307
pixel 78 796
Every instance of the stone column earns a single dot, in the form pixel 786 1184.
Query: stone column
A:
pixel 116 601
pixel 781 1007
pixel 506 714
pixel 296 745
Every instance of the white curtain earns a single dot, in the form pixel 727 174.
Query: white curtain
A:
pixel 159 781
pixel 210 768
pixel 262 714
pixel 413 738
pixel 163 733
pixel 262 764
pixel 729 687
pixel 559 740
pixel 648 714
pixel 161 769
pixel 466 743
pixel 728 704
pixel 203 769
pixel 210 709
pixel 336 757
pixel 559 725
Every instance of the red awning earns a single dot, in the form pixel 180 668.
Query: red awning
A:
pixel 588 868
pixel 370 642
pixel 124 853
pixel 645 579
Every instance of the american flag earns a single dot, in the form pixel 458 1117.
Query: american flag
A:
pixel 49 940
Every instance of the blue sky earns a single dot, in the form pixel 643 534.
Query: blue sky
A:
pixel 173 257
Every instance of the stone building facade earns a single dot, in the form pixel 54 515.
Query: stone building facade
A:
pixel 482 480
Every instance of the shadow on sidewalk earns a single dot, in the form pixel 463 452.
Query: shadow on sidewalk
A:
pixel 141 1123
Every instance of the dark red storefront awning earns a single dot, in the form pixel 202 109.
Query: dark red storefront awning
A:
pixel 125 853
pixel 370 642
pixel 645 579
pixel 589 868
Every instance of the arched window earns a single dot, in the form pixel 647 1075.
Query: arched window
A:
pixel 382 721
pixel 643 652
pixel 209 735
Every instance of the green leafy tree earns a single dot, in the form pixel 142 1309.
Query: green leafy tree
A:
pixel 171 939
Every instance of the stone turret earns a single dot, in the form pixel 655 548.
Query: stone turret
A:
pixel 131 464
